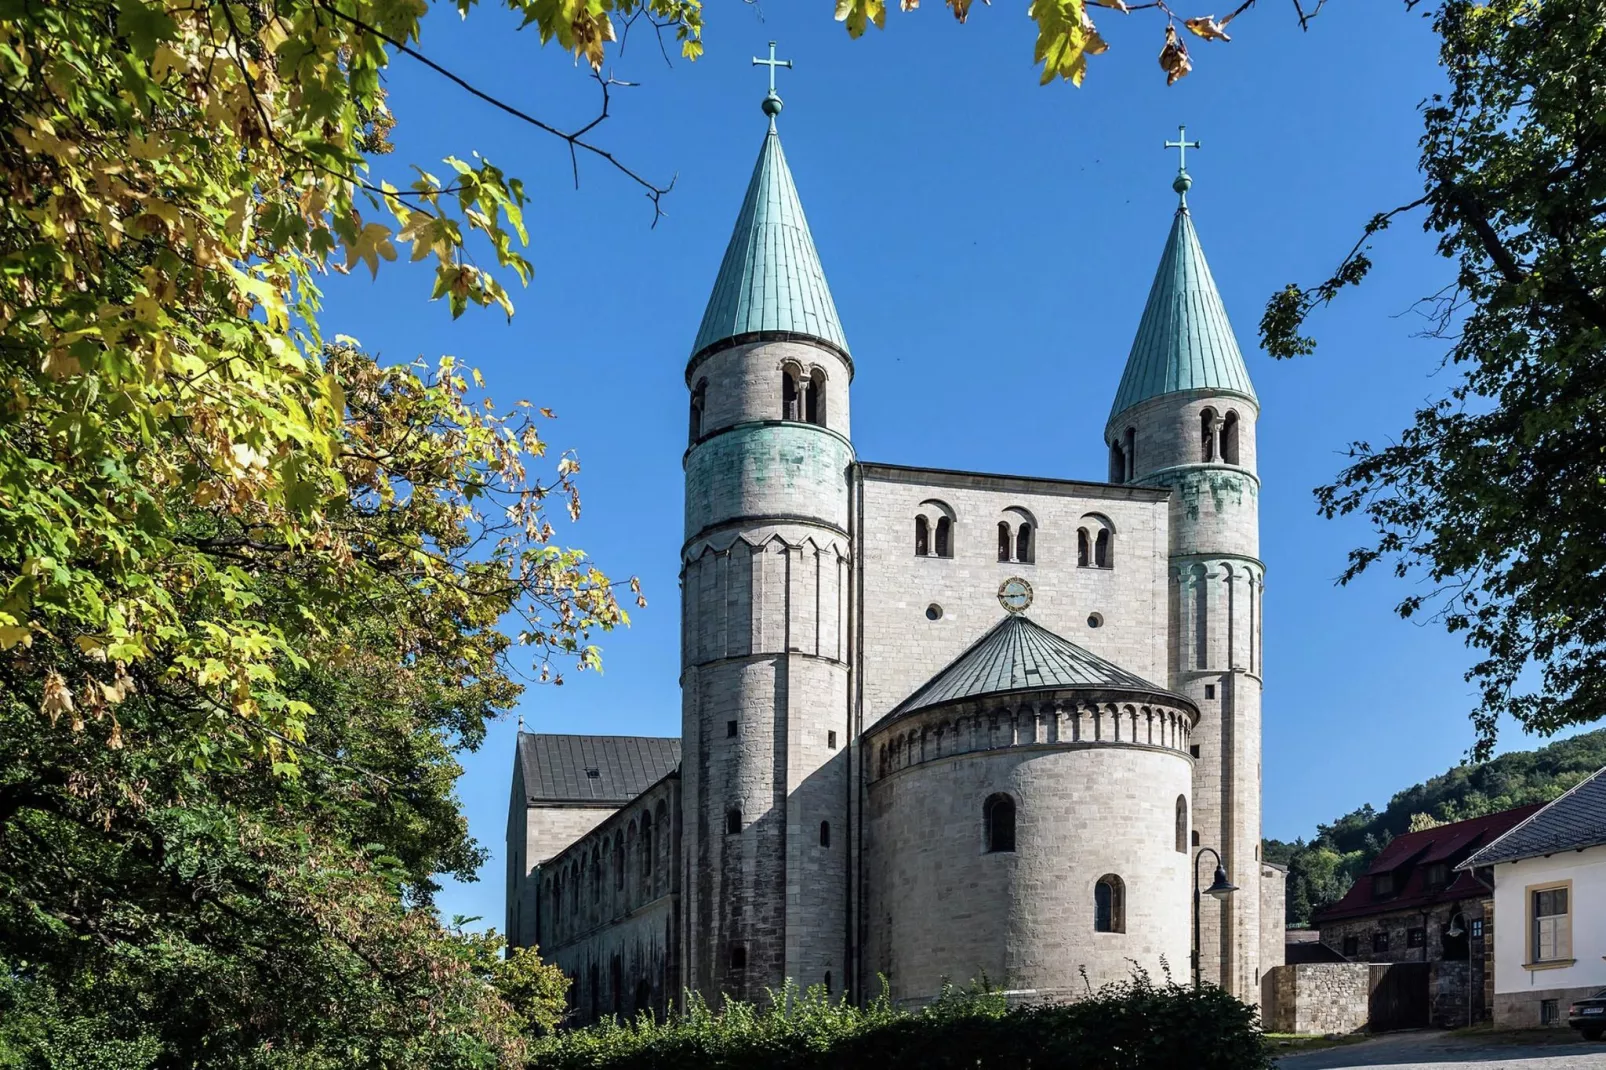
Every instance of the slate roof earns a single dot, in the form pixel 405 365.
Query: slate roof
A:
pixel 1570 822
pixel 1184 341
pixel 558 768
pixel 771 278
pixel 1409 856
pixel 1018 654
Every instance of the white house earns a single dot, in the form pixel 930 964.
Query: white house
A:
pixel 1549 907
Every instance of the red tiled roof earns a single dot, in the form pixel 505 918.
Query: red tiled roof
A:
pixel 1418 850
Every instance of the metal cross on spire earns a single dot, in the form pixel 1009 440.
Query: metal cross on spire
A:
pixel 1183 180
pixel 772 102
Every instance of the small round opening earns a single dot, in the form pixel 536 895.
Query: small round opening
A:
pixel 1095 620
pixel 934 612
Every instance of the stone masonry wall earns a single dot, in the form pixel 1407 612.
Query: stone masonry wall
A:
pixel 1317 998
pixel 941 907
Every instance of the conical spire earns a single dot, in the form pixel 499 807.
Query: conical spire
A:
pixel 771 278
pixel 1184 341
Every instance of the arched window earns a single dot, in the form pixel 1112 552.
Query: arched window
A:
pixel 922 536
pixel 814 407
pixel 733 822
pixel 595 865
pixel 1003 541
pixel 789 408
pixel 1130 451
pixel 619 864
pixel 1117 463
pixel 998 815
pixel 1109 905
pixel 1229 439
pixel 647 858
pixel 1207 435
pixel 698 398
pixel 1084 551
pixel 945 529
pixel 616 982
pixel 1182 824
pixel 1103 553
pixel 825 833
pixel 1023 543
pixel 828 982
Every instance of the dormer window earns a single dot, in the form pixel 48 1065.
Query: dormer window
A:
pixel 1383 885
pixel 1438 875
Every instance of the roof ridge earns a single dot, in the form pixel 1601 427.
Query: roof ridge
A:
pixel 1472 860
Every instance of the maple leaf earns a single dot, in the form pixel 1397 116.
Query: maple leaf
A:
pixel 373 242
pixel 858 14
pixel 1174 57
pixel 1065 38
pixel 1207 27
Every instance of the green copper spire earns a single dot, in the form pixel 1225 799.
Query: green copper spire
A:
pixel 1184 341
pixel 771 278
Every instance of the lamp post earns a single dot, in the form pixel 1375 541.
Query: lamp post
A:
pixel 1220 888
pixel 1459 928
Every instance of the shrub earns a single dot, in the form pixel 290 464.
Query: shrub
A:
pixel 1130 1025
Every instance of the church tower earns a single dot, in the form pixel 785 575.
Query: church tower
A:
pixel 1184 418
pixel 765 596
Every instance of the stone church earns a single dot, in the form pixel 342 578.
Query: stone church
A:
pixel 936 725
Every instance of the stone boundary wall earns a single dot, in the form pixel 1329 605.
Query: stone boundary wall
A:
pixel 1320 998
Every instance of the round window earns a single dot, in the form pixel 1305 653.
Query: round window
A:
pixel 1095 620
pixel 934 612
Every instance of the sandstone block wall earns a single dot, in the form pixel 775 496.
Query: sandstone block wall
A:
pixel 742 384
pixel 1317 998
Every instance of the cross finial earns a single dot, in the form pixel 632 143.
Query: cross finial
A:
pixel 772 102
pixel 1183 181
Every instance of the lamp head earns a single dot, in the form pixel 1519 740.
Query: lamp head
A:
pixel 1221 887
pixel 1455 928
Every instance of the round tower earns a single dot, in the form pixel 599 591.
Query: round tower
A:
pixel 765 596
pixel 1184 418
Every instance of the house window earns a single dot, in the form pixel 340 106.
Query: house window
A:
pixel 1352 946
pixel 1552 925
pixel 1182 824
pixel 1383 885
pixel 998 817
pixel 1210 690
pixel 738 959
pixel 1109 905
pixel 922 536
pixel 1477 928
pixel 825 833
pixel 1380 941
pixel 830 740
pixel 1438 875
pixel 733 822
pixel 1416 937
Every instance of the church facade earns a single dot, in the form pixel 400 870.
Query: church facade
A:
pixel 937 725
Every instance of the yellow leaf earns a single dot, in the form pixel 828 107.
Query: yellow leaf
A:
pixel 1118 5
pixel 858 14
pixel 12 634
pixel 1207 27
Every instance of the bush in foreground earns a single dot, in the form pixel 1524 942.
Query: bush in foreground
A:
pixel 1131 1025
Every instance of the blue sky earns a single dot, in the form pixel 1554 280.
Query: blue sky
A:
pixel 989 244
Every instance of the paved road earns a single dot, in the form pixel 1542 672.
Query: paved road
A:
pixel 1440 1051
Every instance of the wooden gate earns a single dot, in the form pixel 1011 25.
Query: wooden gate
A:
pixel 1398 997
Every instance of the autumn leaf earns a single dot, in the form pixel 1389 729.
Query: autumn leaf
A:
pixel 1207 27
pixel 1174 57
pixel 1118 5
pixel 858 14
pixel 1065 38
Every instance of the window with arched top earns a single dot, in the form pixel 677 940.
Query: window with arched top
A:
pixel 699 398
pixel 814 403
pixel 825 833
pixel 998 818
pixel 1109 905
pixel 1229 438
pixel 1207 435
pixel 945 537
pixel 789 395
pixel 619 864
pixel 1117 463
pixel 1182 824
pixel 1003 541
pixel 1103 551
pixel 1129 449
pixel 922 536
pixel 1023 543
pixel 1084 549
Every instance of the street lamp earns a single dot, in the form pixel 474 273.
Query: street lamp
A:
pixel 1459 928
pixel 1220 888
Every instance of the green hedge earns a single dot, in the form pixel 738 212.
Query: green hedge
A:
pixel 1132 1025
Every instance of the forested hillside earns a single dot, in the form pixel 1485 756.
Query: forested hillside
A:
pixel 1321 870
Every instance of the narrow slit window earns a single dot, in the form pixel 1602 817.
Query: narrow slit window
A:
pixel 1109 905
pixel 1023 543
pixel 998 815
pixel 1229 439
pixel 1003 541
pixel 922 536
pixel 1102 557
pixel 825 833
pixel 944 537
pixel 1084 549
pixel 733 822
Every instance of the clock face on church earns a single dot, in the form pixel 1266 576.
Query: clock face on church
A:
pixel 1015 594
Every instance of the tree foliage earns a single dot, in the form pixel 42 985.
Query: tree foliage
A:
pixel 1492 500
pixel 1136 1024
pixel 1322 869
